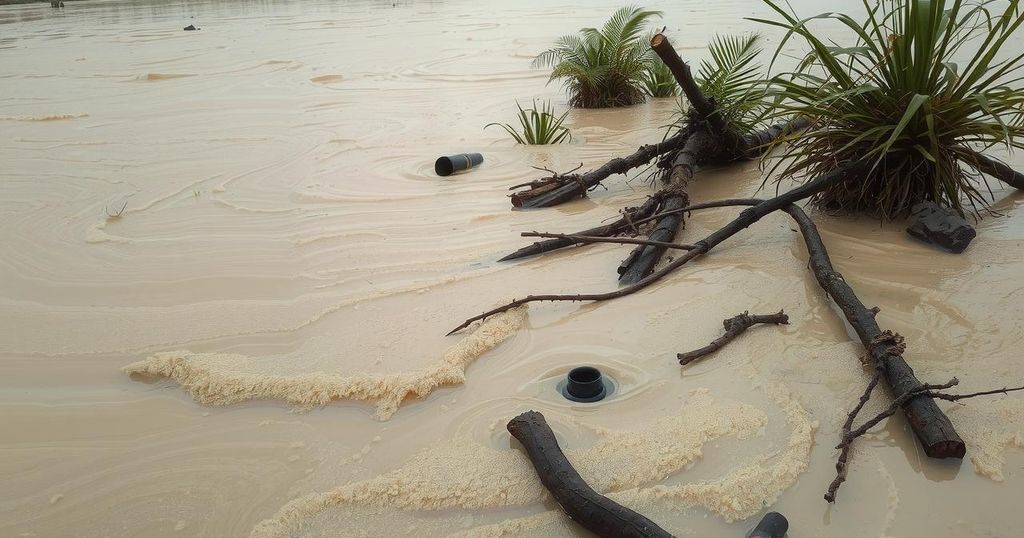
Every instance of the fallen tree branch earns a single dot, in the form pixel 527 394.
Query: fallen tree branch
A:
pixel 996 169
pixel 571 186
pixel 935 432
pixel 734 327
pixel 581 503
pixel 842 462
pixel 641 260
pixel 703 106
pixel 922 391
pixel 583 239
pixel 626 222
pixel 746 218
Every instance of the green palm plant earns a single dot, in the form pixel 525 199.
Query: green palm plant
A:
pixel 603 67
pixel 657 80
pixel 925 87
pixel 539 125
pixel 735 82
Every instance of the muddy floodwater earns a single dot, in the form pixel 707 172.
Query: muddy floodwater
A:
pixel 227 269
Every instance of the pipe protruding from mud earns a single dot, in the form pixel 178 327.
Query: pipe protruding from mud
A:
pixel 585 384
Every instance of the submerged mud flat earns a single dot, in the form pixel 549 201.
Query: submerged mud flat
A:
pixel 284 243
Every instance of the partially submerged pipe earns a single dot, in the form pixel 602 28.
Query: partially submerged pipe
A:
pixel 772 525
pixel 448 165
pixel 585 384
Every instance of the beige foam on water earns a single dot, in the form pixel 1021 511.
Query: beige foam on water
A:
pixel 222 378
pixel 463 474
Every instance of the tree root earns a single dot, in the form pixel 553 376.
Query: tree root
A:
pixel 734 327
pixel 996 169
pixel 581 503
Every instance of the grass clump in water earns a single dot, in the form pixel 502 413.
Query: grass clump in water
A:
pixel 538 125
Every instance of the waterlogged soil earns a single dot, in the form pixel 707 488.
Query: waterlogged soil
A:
pixel 255 344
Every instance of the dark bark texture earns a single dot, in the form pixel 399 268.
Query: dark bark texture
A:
pixel 594 511
pixel 734 327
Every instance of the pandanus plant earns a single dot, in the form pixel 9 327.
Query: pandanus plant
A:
pixel 924 89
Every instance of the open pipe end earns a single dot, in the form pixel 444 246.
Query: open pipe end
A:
pixel 585 384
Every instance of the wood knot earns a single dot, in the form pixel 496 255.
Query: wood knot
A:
pixel 888 338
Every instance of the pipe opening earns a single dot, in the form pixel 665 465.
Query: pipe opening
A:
pixel 585 384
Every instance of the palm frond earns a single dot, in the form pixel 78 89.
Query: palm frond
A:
pixel 603 67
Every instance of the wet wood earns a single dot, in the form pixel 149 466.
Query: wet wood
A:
pixel 734 327
pixel 620 226
pixel 746 218
pixel 595 512
pixel 997 169
pixel 571 186
pixel 642 260
pixel 933 429
pixel 584 239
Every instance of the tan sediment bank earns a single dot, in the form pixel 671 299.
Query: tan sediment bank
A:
pixel 285 243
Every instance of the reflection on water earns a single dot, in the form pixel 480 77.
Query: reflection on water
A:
pixel 279 205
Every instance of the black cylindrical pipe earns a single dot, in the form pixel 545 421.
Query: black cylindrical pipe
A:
pixel 772 525
pixel 446 166
pixel 585 384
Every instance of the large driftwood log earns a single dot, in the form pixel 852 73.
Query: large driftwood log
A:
pixel 932 427
pixel 594 511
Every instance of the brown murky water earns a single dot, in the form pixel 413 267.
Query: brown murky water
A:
pixel 284 241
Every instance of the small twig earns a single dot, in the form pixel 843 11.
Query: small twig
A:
pixel 844 454
pixel 734 327
pixel 629 221
pixel 694 207
pixel 956 397
pixel 581 239
pixel 118 213
pixel 923 390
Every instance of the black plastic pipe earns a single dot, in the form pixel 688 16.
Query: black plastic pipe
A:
pixel 585 384
pixel 446 166
pixel 772 525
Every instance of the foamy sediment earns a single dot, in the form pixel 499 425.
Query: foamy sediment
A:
pixel 222 378
pixel 44 118
pixel 626 465
pixel 990 427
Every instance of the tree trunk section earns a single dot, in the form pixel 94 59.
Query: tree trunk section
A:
pixel 594 511
pixel 932 427
pixel 642 259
